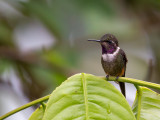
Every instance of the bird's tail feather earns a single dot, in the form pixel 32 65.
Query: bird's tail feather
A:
pixel 122 87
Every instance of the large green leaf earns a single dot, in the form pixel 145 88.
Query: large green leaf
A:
pixel 147 104
pixel 87 97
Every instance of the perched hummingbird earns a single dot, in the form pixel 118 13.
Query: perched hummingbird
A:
pixel 113 58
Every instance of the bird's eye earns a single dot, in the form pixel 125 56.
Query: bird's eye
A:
pixel 109 41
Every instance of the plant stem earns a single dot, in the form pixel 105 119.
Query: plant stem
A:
pixel 25 106
pixel 135 82
pixel 139 94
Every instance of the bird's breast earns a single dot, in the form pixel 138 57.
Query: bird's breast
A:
pixel 108 57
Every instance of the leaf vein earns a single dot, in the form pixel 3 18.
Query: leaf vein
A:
pixel 84 85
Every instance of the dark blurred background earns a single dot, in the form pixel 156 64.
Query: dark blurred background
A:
pixel 42 42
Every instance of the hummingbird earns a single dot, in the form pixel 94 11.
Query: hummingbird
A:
pixel 113 58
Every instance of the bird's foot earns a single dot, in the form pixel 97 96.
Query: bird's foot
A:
pixel 107 77
pixel 117 79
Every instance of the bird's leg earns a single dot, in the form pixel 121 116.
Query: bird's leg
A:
pixel 107 77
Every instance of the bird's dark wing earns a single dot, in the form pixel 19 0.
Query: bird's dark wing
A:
pixel 121 84
pixel 125 60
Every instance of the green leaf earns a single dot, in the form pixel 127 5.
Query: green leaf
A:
pixel 147 104
pixel 38 113
pixel 87 97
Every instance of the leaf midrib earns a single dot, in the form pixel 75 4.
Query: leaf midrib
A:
pixel 84 85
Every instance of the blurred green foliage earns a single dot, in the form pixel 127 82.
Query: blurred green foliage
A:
pixel 41 70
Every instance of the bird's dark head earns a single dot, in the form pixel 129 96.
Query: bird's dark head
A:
pixel 108 42
pixel 109 39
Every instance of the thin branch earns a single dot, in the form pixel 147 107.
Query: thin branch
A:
pixel 25 106
pixel 135 82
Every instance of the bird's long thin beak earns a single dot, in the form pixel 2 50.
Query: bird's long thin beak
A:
pixel 94 40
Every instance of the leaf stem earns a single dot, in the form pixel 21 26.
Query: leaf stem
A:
pixel 135 82
pixel 139 94
pixel 25 106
